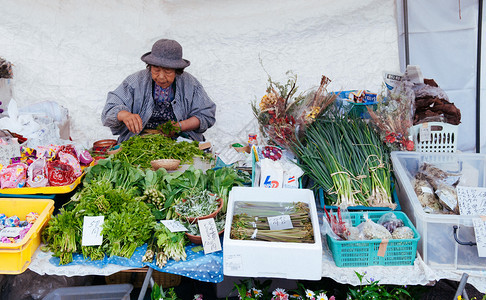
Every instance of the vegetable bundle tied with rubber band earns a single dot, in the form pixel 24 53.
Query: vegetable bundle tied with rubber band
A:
pixel 348 160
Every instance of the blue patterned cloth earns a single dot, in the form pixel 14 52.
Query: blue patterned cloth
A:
pixel 207 268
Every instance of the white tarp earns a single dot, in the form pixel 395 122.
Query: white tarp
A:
pixel 75 52
pixel 443 42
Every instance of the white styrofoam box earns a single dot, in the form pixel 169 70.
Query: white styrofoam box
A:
pixel 272 259
pixel 438 247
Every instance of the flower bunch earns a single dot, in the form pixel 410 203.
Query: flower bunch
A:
pixel 371 289
pixel 393 117
pixel 283 115
pixel 252 290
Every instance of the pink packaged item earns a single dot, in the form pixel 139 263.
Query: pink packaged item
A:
pixel 70 159
pixel 13 176
pixel 37 173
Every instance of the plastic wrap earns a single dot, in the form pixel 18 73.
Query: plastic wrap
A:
pixel 403 232
pixel 372 230
pixel 444 185
pixel 390 222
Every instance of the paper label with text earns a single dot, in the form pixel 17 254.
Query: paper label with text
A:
pixel 209 235
pixel 280 222
pixel 11 231
pixel 472 200
pixel 173 225
pixel 92 227
pixel 480 232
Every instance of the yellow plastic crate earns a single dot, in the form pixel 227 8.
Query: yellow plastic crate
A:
pixel 16 257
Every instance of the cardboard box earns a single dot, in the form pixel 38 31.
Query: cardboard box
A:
pixel 272 259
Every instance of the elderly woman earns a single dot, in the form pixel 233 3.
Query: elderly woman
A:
pixel 161 93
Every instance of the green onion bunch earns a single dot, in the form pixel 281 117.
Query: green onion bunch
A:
pixel 347 159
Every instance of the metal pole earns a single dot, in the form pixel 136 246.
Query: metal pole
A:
pixel 405 32
pixel 478 78
pixel 462 285
pixel 146 281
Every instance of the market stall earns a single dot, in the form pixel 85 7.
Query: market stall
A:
pixel 145 202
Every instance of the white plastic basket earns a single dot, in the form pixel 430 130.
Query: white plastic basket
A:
pixel 443 137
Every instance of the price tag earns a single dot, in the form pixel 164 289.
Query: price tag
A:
pixel 472 200
pixel 92 227
pixel 280 222
pixel 173 225
pixel 425 133
pixel 209 235
pixel 480 232
pixel 11 231
pixel 382 248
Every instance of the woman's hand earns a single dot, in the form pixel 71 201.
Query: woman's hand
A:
pixel 132 121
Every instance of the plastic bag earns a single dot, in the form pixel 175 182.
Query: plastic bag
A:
pixel 13 176
pixel 423 90
pixel 372 230
pixel 70 159
pixel 390 222
pixel 444 185
pixel 403 232
pixel 340 223
pixel 37 173
pixel 425 194
pixel 59 173
pixel 272 173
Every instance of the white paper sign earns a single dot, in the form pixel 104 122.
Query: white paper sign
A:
pixel 480 232
pixel 280 222
pixel 92 227
pixel 173 225
pixel 11 231
pixel 209 235
pixel 472 200
pixel 425 133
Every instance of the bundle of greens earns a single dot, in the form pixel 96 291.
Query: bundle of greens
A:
pixel 222 180
pixel 141 150
pixel 128 223
pixel 250 223
pixel 348 160
pixel 165 245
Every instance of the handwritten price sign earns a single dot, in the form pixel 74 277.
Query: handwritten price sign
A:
pixel 280 222
pixel 472 200
pixel 480 232
pixel 92 227
pixel 209 235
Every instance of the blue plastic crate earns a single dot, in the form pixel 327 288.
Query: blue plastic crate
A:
pixel 364 253
pixel 321 196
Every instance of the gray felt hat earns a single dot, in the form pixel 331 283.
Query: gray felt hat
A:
pixel 166 53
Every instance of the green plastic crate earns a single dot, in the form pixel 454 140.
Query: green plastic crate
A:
pixel 364 253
